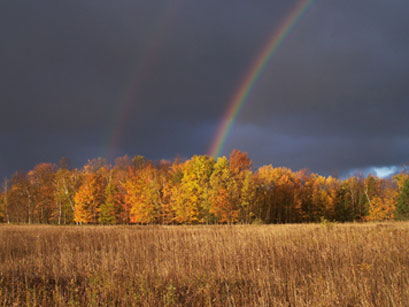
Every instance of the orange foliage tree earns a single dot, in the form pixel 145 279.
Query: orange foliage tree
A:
pixel 143 193
pixel 199 190
pixel 91 194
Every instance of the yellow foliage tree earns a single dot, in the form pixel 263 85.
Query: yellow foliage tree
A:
pixel 190 200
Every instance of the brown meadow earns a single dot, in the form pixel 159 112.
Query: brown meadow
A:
pixel 231 265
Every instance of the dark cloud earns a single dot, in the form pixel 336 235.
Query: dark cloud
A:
pixel 158 75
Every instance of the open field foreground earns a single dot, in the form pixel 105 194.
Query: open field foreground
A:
pixel 277 265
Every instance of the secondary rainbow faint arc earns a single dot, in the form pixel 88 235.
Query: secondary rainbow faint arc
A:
pixel 254 73
pixel 141 70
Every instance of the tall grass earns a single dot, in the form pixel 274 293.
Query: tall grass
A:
pixel 278 265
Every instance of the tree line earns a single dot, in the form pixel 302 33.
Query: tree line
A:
pixel 201 190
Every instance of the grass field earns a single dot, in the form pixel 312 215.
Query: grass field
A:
pixel 277 265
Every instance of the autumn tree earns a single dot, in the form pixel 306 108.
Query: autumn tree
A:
pixel 170 191
pixel 400 179
pixel 222 194
pixel 244 185
pixel 306 208
pixel 2 208
pixel 190 198
pixel 248 198
pixel 42 182
pixel 382 208
pixel 143 193
pixel 119 176
pixel 239 161
pixel 164 176
pixel 67 182
pixel 276 194
pixel 382 196
pixel 20 198
pixel 324 196
pixel 91 194
pixel 199 190
pixel 4 202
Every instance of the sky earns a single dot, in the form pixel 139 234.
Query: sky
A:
pixel 100 78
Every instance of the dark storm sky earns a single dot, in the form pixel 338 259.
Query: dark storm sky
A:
pixel 335 97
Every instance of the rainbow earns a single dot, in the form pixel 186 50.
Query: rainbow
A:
pixel 124 110
pixel 139 72
pixel 252 75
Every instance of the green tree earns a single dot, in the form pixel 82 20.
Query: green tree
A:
pixel 402 207
pixel 109 211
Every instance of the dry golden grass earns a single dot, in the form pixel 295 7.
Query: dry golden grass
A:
pixel 277 265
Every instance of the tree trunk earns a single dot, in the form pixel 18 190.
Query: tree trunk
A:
pixel 59 212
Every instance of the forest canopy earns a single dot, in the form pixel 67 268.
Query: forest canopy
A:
pixel 201 190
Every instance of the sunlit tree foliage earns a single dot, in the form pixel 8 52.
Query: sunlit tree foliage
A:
pixel 200 190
